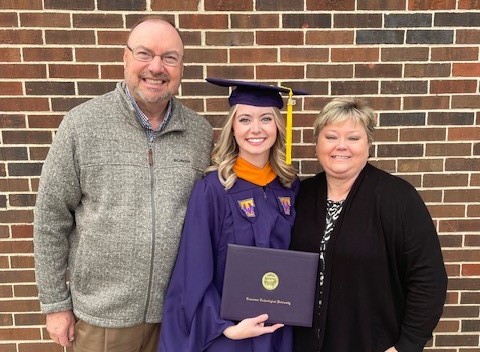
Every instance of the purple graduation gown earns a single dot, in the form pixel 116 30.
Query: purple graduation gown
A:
pixel 215 217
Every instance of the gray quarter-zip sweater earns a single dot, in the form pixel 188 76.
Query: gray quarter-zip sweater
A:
pixel 110 210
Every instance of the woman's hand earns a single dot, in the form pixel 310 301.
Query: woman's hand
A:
pixel 250 327
pixel 391 349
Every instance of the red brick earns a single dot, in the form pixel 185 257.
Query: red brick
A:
pixel 447 149
pixel 22 231
pixel 405 54
pixel 464 133
pixel 473 211
pixel 20 334
pixel 304 55
pixel 468 36
pixel 101 20
pixel 420 165
pixel 29 319
pixel 290 37
pixel 466 69
pixel 471 269
pixel 21 36
pixel 6 319
pixel 253 20
pixel 234 72
pixel 453 86
pixel 38 153
pixel 17 306
pixel 11 88
pixel 27 137
pixel 462 164
pixel 330 37
pixel 112 37
pixel 431 5
pixel 459 225
pixel 465 101
pixel 201 21
pixel 427 70
pixel 454 54
pixel 381 4
pixel 355 54
pixel 22 262
pixel 168 5
pixel 23 71
pixel 27 104
pixel 12 121
pixel 426 102
pixel 73 71
pixel 469 4
pixel 457 340
pixel 41 54
pixel 16 246
pixel 14 185
pixel 65 37
pixel 44 121
pixel 228 5
pixel 41 347
pixel 330 5
pixel 279 72
pixel 423 134
pixel 470 298
pixel 449 180
pixel 111 72
pixel 253 55
pixel 45 19
pixel 22 290
pixel 16 276
pixel 8 19
pixel 237 38
pixel 10 54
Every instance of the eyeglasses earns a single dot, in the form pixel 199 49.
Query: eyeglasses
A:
pixel 170 58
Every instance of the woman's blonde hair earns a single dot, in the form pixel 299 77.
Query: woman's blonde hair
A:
pixel 342 109
pixel 225 153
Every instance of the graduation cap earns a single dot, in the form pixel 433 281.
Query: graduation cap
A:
pixel 259 94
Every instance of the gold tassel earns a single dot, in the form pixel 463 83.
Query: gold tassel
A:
pixel 288 131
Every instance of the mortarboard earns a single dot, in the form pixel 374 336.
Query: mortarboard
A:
pixel 259 94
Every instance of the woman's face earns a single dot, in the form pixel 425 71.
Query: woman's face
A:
pixel 255 132
pixel 342 149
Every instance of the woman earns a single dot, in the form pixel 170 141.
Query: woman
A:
pixel 381 282
pixel 248 168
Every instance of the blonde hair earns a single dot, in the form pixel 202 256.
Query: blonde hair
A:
pixel 225 153
pixel 342 109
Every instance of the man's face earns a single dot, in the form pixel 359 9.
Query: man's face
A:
pixel 152 83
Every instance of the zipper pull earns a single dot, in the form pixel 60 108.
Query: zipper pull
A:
pixel 150 156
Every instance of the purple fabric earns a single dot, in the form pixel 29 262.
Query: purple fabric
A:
pixel 191 320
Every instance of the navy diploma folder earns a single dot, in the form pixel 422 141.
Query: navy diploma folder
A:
pixel 278 282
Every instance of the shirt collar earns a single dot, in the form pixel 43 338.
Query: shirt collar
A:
pixel 143 119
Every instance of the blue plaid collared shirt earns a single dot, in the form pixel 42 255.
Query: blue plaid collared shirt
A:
pixel 143 119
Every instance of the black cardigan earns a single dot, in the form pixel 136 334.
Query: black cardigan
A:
pixel 385 277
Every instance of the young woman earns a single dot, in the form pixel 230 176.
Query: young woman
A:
pixel 246 198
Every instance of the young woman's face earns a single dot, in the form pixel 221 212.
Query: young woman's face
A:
pixel 342 149
pixel 255 132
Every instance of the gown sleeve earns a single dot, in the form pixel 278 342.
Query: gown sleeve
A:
pixel 191 318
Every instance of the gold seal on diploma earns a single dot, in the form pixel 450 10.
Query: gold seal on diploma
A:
pixel 270 281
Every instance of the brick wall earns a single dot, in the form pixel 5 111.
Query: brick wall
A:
pixel 415 61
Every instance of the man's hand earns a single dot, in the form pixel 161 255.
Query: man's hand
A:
pixel 250 327
pixel 60 326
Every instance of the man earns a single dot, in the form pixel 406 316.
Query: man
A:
pixel 112 199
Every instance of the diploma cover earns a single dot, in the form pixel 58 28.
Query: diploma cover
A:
pixel 278 282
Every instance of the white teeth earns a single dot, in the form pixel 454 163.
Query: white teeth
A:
pixel 256 140
pixel 154 81
pixel 340 157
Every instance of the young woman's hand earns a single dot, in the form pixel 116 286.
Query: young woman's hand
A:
pixel 250 327
pixel 391 349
